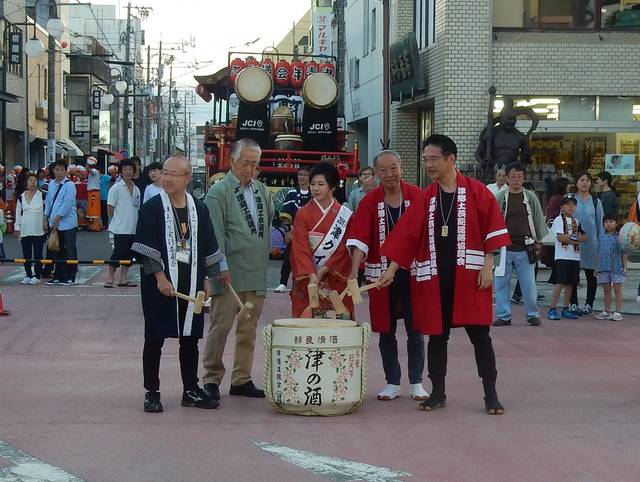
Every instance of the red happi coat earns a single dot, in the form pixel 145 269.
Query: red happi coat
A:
pixel 303 262
pixel 481 229
pixel 368 232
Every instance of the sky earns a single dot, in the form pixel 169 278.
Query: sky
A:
pixel 214 26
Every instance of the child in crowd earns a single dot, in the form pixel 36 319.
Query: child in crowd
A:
pixel 569 235
pixel 612 268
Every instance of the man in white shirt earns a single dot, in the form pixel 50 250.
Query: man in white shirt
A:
pixel 500 184
pixel 123 204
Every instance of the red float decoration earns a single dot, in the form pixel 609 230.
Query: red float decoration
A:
pixel 312 68
pixel 268 66
pixel 328 68
pixel 298 70
pixel 283 73
pixel 234 69
pixel 251 62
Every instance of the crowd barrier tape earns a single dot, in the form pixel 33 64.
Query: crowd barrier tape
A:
pixel 94 262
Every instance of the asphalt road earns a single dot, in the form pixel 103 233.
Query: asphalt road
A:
pixel 71 405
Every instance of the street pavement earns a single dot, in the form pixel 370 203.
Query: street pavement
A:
pixel 71 403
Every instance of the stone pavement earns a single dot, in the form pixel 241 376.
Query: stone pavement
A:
pixel 71 406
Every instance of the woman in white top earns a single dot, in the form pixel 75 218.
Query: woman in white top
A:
pixel 29 227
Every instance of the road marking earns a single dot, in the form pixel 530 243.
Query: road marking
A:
pixel 332 468
pixel 27 468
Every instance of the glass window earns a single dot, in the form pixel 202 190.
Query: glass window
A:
pixel 373 29
pixel 619 109
pixel 424 13
pixel 549 108
pixel 620 13
pixel 547 14
pixel 365 27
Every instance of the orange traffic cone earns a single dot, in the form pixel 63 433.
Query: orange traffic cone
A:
pixel 3 312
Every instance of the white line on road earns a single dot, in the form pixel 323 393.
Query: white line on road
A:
pixel 27 468
pixel 332 468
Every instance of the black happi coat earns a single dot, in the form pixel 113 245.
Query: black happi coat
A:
pixel 161 316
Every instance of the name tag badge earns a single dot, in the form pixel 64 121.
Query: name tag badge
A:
pixel 184 255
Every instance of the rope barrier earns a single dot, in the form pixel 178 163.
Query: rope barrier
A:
pixel 93 262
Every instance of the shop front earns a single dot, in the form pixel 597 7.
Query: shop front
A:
pixel 585 133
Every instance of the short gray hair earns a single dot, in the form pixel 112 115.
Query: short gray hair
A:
pixel 244 143
pixel 386 152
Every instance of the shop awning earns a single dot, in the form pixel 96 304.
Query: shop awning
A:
pixel 72 149
pixel 7 97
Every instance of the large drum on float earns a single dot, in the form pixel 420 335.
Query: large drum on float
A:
pixel 315 367
pixel 320 91
pixel 282 120
pixel 253 85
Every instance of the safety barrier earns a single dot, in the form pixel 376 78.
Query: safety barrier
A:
pixel 93 262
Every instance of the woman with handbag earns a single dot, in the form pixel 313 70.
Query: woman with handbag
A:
pixel 29 227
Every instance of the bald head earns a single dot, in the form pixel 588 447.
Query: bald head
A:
pixel 388 168
pixel 176 175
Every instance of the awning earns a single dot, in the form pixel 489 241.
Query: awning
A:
pixel 72 149
pixel 7 97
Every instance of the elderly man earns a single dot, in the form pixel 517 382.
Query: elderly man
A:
pixel 378 213
pixel 177 245
pixel 500 184
pixel 241 211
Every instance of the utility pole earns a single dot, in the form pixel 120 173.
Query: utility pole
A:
pixel 184 142
pixel 342 49
pixel 158 155
pixel 170 108
pixel 386 75
pixel 51 87
pixel 145 110
pixel 127 78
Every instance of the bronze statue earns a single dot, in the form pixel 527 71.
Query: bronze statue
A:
pixel 500 141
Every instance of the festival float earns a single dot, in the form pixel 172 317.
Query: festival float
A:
pixel 287 104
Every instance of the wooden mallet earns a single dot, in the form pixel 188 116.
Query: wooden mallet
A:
pixel 356 291
pixel 336 301
pixel 245 308
pixel 198 301
pixel 314 295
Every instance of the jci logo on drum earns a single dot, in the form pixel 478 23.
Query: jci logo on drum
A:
pixel 321 128
pixel 252 123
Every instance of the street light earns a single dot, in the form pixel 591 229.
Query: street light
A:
pixel 121 86
pixel 34 48
pixel 56 27
pixel 107 99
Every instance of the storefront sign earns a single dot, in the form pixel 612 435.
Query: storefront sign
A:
pixel 406 75
pixel 96 99
pixel 81 124
pixel 322 31
pixel 620 164
pixel 15 48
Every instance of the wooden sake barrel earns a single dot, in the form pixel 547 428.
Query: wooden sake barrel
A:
pixel 315 366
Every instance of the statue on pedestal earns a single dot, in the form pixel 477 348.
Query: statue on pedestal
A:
pixel 500 141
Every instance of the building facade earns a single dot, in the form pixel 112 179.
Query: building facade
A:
pixel 573 61
pixel 363 86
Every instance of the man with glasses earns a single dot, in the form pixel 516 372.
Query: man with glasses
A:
pixel 241 210
pixel 450 232
pixel 177 245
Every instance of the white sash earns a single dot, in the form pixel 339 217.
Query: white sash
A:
pixel 172 246
pixel 332 240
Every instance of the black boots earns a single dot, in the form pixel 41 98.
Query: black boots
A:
pixel 491 403
pixel 437 399
pixel 152 402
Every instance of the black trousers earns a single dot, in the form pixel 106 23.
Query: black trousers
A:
pixel 68 250
pixel 285 270
pixel 592 287
pixel 32 249
pixel 188 356
pixel 479 337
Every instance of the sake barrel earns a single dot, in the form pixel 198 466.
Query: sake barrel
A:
pixel 315 366
pixel 629 237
